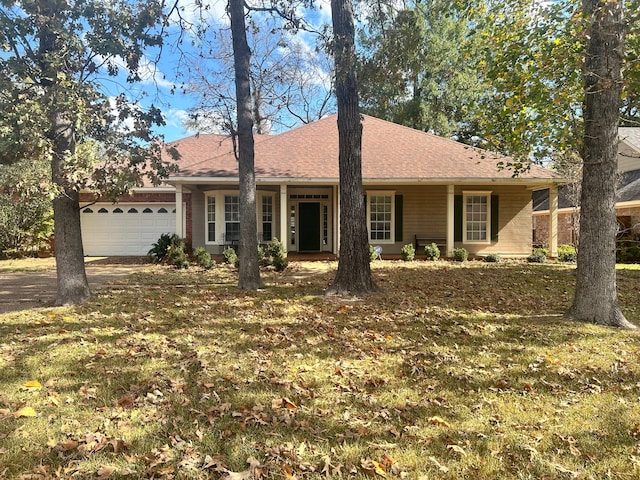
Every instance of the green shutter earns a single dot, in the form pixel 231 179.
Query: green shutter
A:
pixel 495 225
pixel 457 218
pixel 398 215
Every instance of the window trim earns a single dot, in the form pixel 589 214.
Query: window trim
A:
pixel 392 231
pixel 476 193
pixel 220 219
pixel 260 212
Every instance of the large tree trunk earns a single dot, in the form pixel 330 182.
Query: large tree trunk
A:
pixel 596 297
pixel 354 272
pixel 73 287
pixel 249 277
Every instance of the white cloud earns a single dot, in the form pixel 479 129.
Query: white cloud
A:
pixel 191 13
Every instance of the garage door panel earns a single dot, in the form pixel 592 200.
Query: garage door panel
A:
pixel 127 233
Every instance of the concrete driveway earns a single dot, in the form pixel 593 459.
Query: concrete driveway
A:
pixel 24 290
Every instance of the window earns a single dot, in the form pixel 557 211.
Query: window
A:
pixel 380 217
pixel 163 210
pixel 477 215
pixel 147 210
pixel 118 210
pixel 231 217
pixel 325 224
pixel 132 210
pixel 292 224
pixel 267 218
pixel 211 219
pixel 103 210
pixel 87 210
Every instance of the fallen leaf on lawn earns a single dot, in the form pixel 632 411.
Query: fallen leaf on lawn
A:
pixel 371 467
pixel 66 445
pixel 288 472
pixel 457 449
pixel 215 463
pixel 345 308
pixel 439 421
pixel 32 385
pixel 387 460
pixel 127 400
pixel 106 471
pixel 574 451
pixel 254 471
pixel 284 402
pixel 441 467
pixel 25 412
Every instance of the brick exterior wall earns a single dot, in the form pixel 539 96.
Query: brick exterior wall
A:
pixel 151 197
pixel 630 215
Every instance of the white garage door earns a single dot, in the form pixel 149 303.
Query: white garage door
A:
pixel 109 230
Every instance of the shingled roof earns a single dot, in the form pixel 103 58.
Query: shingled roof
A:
pixel 390 152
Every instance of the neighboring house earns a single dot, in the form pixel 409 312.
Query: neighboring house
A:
pixel 418 188
pixel 627 204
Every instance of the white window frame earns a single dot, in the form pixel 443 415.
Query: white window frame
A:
pixel 219 214
pixel 382 193
pixel 208 220
pixel 465 233
pixel 220 219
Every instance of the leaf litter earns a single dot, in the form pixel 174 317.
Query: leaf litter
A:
pixel 444 374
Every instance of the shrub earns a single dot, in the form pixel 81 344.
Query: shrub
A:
pixel 203 258
pixel 460 254
pixel 177 256
pixel 160 249
pixel 274 254
pixel 567 253
pixel 432 252
pixel 628 251
pixel 539 255
pixel 408 252
pixel 492 258
pixel 230 256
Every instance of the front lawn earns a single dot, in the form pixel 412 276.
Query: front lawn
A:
pixel 452 371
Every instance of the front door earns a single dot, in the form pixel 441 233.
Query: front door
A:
pixel 309 225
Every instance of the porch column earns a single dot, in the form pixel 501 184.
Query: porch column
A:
pixel 284 217
pixel 450 221
pixel 336 222
pixel 179 212
pixel 553 221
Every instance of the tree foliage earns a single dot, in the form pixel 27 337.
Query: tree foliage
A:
pixel 25 210
pixel 56 55
pixel 416 67
pixel 532 56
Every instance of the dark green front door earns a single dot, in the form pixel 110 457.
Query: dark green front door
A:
pixel 309 225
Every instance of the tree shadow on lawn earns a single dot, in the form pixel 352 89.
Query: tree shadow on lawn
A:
pixel 365 371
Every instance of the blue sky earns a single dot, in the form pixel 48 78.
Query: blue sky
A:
pixel 162 81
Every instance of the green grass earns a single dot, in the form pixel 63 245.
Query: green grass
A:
pixel 29 264
pixel 453 371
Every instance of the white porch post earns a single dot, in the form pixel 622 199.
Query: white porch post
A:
pixel 553 221
pixel 284 217
pixel 179 212
pixel 450 221
pixel 336 225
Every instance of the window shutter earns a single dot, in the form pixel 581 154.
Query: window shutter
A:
pixel 457 218
pixel 495 225
pixel 398 215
